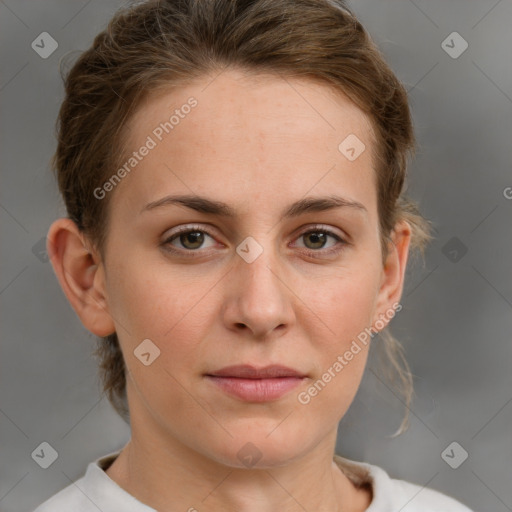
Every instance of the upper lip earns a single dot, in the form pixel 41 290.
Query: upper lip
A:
pixel 246 371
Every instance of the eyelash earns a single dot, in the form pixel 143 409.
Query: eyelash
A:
pixel 310 252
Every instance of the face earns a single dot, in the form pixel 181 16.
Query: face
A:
pixel 256 282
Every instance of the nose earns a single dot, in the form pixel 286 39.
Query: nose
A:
pixel 259 297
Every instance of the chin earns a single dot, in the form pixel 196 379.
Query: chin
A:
pixel 256 449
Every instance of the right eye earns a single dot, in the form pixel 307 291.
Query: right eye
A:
pixel 188 238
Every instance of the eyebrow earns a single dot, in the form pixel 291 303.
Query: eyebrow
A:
pixel 212 207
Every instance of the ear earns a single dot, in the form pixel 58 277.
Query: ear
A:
pixel 81 275
pixel 393 273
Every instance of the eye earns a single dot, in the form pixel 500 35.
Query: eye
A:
pixel 316 240
pixel 187 239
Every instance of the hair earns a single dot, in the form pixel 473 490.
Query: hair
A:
pixel 160 45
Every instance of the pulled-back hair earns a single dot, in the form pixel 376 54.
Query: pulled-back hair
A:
pixel 159 45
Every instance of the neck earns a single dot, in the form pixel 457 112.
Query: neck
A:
pixel 189 481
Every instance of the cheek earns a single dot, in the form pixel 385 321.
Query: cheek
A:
pixel 344 310
pixel 170 308
pixel 344 305
pixel 154 299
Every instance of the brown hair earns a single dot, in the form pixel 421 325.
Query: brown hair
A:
pixel 156 45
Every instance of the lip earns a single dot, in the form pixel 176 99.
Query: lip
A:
pixel 256 384
pixel 247 371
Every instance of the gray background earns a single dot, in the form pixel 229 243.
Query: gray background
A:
pixel 456 321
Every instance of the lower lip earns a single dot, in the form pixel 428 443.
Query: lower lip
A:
pixel 256 390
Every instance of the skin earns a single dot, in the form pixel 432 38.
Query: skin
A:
pixel 257 143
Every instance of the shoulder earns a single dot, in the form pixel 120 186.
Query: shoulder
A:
pixel 393 494
pixel 93 492
pixel 416 498
pixel 69 498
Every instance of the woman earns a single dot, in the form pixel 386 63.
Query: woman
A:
pixel 237 234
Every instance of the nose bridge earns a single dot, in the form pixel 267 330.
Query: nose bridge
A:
pixel 262 300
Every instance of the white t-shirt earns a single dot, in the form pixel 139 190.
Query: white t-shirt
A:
pixel 97 491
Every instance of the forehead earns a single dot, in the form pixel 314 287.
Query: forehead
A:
pixel 235 98
pixel 247 134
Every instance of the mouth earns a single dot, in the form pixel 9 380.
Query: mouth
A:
pixel 251 384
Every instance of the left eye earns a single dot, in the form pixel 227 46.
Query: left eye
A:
pixel 318 238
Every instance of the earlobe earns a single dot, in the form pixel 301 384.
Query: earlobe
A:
pixel 393 272
pixel 81 276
